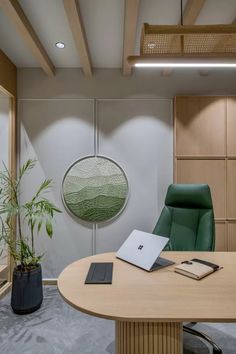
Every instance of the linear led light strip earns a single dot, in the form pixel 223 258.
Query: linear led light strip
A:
pixel 208 62
pixel 184 65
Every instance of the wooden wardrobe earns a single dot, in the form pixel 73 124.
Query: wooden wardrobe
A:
pixel 205 152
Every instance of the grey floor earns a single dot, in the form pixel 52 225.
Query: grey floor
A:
pixel 59 329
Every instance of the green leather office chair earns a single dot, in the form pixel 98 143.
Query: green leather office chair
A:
pixel 187 219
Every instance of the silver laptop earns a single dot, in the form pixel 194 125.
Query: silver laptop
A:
pixel 143 249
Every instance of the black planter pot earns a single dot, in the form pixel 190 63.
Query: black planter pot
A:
pixel 27 290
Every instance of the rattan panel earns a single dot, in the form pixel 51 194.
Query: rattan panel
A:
pixel 161 44
pixel 192 42
pixel 209 43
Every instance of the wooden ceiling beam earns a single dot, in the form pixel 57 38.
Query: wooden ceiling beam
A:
pixel 73 13
pixel 130 26
pixel 16 14
pixel 191 11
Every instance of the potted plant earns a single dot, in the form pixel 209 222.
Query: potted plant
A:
pixel 32 216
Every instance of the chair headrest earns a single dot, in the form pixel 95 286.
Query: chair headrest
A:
pixel 196 196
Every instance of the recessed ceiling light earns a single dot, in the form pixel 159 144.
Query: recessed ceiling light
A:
pixel 60 45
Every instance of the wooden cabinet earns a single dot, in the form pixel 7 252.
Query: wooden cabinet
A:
pixel 231 126
pixel 221 239
pixel 232 236
pixel 211 172
pixel 200 126
pixel 231 189
pixel 205 152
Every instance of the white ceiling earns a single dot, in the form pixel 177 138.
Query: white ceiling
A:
pixel 104 21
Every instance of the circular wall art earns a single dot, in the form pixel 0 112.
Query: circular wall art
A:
pixel 95 189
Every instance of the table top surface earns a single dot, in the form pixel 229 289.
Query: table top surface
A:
pixel 162 295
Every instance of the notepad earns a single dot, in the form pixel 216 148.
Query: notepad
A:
pixel 99 273
pixel 196 268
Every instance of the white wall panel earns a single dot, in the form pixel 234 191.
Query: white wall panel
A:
pixel 137 134
pixel 56 133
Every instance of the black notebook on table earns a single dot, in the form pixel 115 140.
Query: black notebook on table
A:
pixel 99 273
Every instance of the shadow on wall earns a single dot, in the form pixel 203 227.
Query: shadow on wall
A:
pixel 117 113
pixel 195 107
pixel 47 113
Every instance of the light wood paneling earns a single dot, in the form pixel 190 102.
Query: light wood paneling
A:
pixel 200 126
pixel 231 189
pixel 12 168
pixel 148 338
pixel 221 240
pixel 8 85
pixel 231 126
pixel 212 172
pixel 202 123
pixel 7 75
pixel 232 236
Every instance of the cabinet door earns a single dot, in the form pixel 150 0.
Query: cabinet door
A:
pixel 231 126
pixel 221 241
pixel 212 172
pixel 231 189
pixel 200 124
pixel 232 236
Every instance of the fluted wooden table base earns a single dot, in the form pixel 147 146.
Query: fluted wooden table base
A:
pixel 149 338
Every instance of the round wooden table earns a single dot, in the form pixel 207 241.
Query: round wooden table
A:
pixel 149 308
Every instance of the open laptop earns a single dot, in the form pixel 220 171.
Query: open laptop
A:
pixel 143 249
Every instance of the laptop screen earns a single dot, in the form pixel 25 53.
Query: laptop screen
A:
pixel 142 249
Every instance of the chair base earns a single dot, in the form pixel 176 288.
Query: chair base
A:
pixel 216 349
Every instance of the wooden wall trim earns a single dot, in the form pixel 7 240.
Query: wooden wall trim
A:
pixel 8 73
pixel 5 289
pixel 12 166
pixel 8 85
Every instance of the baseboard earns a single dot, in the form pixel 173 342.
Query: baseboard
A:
pixel 3 273
pixel 50 281
pixel 5 289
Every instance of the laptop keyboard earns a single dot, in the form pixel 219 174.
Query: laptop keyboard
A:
pixel 161 263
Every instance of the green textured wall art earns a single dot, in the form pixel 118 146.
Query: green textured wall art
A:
pixel 95 189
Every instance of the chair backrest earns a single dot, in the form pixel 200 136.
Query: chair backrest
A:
pixel 187 218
